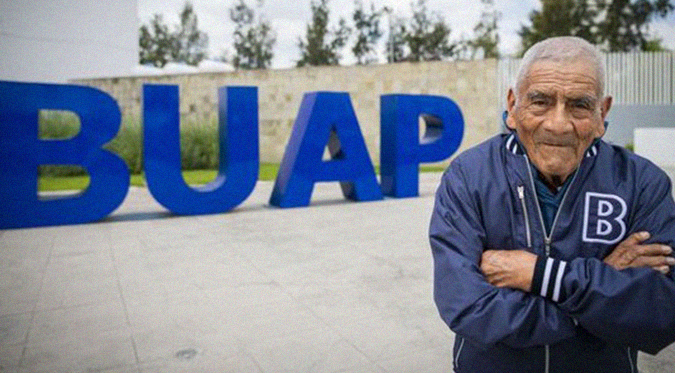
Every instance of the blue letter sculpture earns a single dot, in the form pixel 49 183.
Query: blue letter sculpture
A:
pixel 22 152
pixel 239 158
pixel 325 118
pixel 400 149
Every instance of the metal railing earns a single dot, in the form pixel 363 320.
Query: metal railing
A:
pixel 632 78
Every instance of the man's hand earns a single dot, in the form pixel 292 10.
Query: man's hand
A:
pixel 509 268
pixel 630 253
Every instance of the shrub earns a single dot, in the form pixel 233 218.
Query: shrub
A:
pixel 199 143
pixel 199 146
pixel 58 124
pixel 128 144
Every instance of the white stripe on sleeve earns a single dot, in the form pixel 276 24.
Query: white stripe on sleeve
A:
pixel 558 281
pixel 547 276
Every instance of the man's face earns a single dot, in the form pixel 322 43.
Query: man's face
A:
pixel 557 114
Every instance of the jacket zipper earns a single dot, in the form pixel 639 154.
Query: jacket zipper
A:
pixel 459 352
pixel 630 361
pixel 547 237
pixel 521 196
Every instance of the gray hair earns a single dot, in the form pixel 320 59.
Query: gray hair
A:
pixel 564 48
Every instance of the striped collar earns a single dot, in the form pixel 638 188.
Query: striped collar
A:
pixel 514 146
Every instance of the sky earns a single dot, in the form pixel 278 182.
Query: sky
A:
pixel 289 18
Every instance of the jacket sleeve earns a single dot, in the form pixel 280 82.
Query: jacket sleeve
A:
pixel 633 307
pixel 469 305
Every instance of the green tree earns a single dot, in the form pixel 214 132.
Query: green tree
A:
pixel 654 45
pixel 156 42
pixel 368 32
pixel 486 38
pixel 321 45
pixel 560 18
pixel 614 25
pixel 190 44
pixel 158 45
pixel 428 36
pixel 625 26
pixel 254 38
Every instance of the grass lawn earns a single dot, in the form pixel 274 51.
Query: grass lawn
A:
pixel 268 172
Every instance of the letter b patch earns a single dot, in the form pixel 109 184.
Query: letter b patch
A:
pixel 603 218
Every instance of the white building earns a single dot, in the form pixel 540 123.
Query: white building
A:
pixel 58 40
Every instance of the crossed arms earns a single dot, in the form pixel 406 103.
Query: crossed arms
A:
pixel 515 268
pixel 486 295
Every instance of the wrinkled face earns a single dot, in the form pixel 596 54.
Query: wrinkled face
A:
pixel 557 114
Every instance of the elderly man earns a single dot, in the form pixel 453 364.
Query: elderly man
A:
pixel 552 248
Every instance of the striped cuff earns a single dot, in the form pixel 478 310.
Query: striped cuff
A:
pixel 547 279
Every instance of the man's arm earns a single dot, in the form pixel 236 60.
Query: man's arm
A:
pixel 515 268
pixel 631 253
pixel 471 306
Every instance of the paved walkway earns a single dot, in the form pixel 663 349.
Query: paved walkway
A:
pixel 335 287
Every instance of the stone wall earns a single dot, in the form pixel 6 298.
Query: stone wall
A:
pixel 472 85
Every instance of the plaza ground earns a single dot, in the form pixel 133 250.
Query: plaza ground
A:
pixel 334 287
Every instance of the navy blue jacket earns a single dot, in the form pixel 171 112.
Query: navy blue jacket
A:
pixel 584 315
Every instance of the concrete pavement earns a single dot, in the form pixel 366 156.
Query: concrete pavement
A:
pixel 335 287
